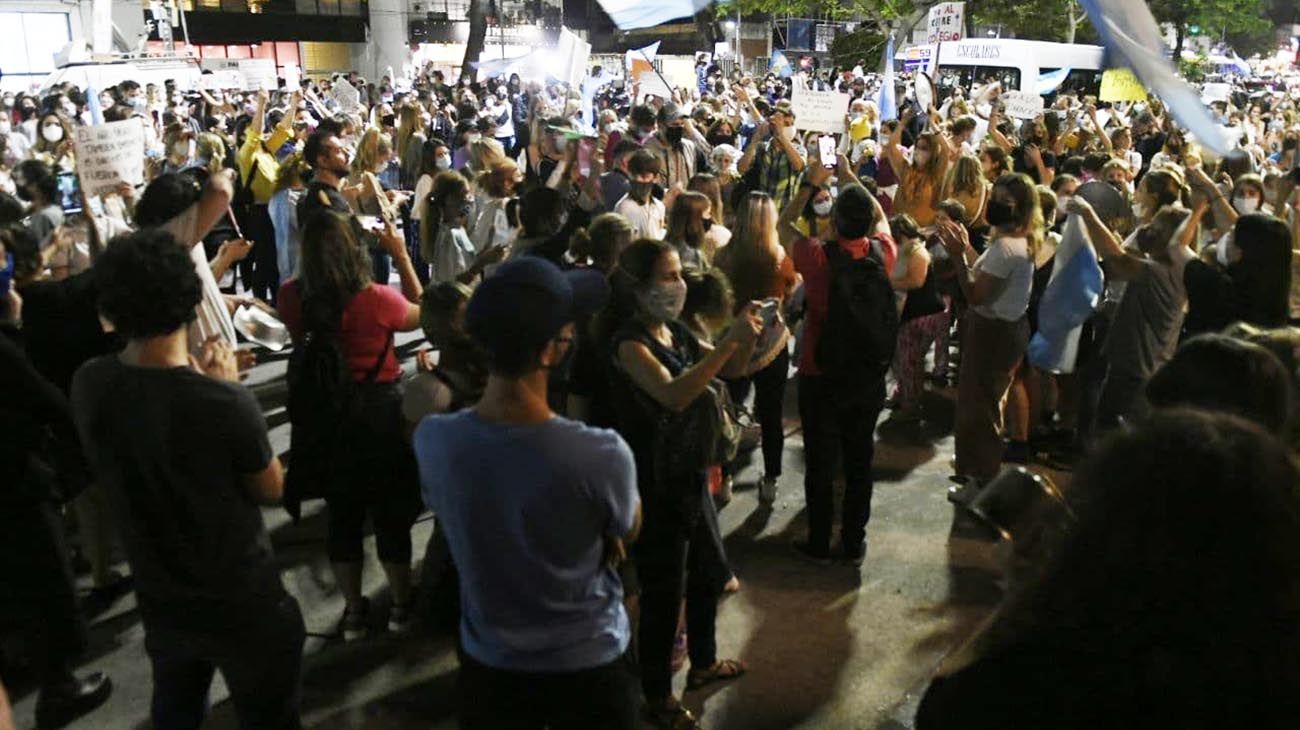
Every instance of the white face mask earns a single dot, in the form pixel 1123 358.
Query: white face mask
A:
pixel 443 162
pixel 69 109
pixel 822 207
pixel 183 148
pixel 5 126
pixel 788 133
pixel 52 133
pixel 1244 205
pixel 920 157
pixel 1064 200
pixel 664 302
pixel 106 103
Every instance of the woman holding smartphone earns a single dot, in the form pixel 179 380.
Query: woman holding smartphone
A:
pixel 760 270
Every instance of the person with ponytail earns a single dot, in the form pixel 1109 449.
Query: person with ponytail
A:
pixel 660 370
pixel 599 244
pixel 444 242
pixel 996 285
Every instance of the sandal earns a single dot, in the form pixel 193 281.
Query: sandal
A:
pixel 723 670
pixel 671 715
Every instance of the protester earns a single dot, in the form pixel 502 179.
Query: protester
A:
pixel 208 588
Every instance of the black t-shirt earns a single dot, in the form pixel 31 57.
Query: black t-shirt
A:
pixel 170 446
pixel 1020 163
pixel 61 328
pixel 1149 145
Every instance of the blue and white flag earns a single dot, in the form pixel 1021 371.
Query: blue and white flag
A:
pixel 633 14
pixel 886 102
pixel 93 106
pixel 1071 296
pixel 780 65
pixel 1052 80
pixel 1129 32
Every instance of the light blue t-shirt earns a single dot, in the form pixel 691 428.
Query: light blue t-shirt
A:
pixel 525 509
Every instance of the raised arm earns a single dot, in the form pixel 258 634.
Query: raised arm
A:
pixel 676 394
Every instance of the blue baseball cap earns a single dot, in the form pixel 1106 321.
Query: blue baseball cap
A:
pixel 528 300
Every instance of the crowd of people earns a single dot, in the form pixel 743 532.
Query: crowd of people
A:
pixel 603 292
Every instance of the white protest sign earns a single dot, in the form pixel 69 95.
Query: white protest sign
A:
pixel 110 154
pixel 292 78
pixel 345 96
pixel 946 23
pixel 258 74
pixel 220 80
pixel 1022 104
pixel 574 54
pixel 819 111
pixel 1216 92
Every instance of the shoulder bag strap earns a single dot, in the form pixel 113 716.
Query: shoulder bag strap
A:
pixel 379 364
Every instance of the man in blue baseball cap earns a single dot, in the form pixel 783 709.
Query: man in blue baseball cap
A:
pixel 536 509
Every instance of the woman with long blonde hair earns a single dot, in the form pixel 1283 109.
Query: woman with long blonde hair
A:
pixel 920 180
pixel 759 270
pixel 492 225
pixel 965 183
pixel 210 152
pixel 410 141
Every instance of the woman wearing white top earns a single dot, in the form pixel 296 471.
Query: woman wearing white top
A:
pixel 444 241
pixel 996 286
pixel 492 225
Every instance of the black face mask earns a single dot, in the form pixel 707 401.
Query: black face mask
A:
pixel 640 191
pixel 719 138
pixel 999 213
pixel 673 135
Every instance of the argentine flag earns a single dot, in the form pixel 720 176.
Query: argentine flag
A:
pixel 886 102
pixel 780 65
pixel 1071 295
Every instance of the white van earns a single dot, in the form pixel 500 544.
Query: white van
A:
pixel 1018 64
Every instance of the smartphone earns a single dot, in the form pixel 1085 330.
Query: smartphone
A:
pixel 371 223
pixel 826 150
pixel 586 148
pixel 69 187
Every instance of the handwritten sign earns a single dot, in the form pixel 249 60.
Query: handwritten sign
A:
pixel 1216 92
pixel 1119 84
pixel 1022 104
pixel 219 80
pixel 345 96
pixel 292 78
pixel 945 23
pixel 110 154
pixel 258 74
pixel 819 111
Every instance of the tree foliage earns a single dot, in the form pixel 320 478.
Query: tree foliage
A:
pixel 1246 20
pixel 1042 20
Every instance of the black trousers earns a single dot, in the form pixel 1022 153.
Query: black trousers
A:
pixel 259 655
pixel 39 599
pixel 600 698
pixel 266 268
pixel 834 421
pixel 381 482
pixel 678 551
pixel 769 399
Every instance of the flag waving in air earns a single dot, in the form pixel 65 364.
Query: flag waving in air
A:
pixel 1129 31
pixel 641 69
pixel 780 65
pixel 886 102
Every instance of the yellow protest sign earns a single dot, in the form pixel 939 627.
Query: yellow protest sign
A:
pixel 1119 84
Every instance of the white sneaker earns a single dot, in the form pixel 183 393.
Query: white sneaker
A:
pixel 767 489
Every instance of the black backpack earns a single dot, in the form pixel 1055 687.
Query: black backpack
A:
pixel 860 333
pixel 323 401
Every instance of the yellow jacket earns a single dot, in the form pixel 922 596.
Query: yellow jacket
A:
pixel 259 168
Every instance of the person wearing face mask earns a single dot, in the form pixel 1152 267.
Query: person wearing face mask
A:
pixel 779 155
pixel 258 170
pixel 1063 187
pixel 660 369
pixel 181 148
pixel 16 145
pixel 615 183
pixel 444 241
pixel 676 153
pixel 996 286
pixel 54 145
pixel 920 180
pixel 1031 157
pixel 1144 331
pixel 645 212
pixel 38 186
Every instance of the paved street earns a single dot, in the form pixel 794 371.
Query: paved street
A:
pixel 826 647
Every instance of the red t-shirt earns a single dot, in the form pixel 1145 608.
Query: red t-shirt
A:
pixel 810 262
pixel 369 322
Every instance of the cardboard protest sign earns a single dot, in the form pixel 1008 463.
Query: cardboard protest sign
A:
pixel 258 74
pixel 345 96
pixel 819 111
pixel 1119 84
pixel 1022 104
pixel 946 22
pixel 110 154
pixel 220 80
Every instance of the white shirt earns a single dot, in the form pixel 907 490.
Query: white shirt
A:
pixel 492 226
pixel 647 220
pixel 453 254
pixel 422 189
pixel 212 316
pixel 1007 259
